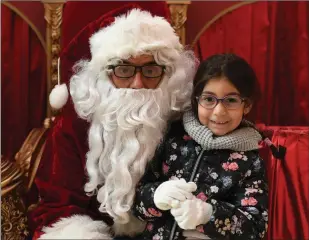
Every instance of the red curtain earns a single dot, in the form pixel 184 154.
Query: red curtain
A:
pixel 23 85
pixel 273 37
pixel 288 184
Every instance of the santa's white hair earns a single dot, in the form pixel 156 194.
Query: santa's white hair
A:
pixel 128 124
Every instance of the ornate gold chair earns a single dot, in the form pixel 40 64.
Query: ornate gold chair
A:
pixel 18 176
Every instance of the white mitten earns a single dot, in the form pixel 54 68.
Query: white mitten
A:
pixel 171 192
pixel 191 213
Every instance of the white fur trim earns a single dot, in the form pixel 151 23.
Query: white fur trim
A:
pixel 58 96
pixel 132 34
pixel 132 228
pixel 77 227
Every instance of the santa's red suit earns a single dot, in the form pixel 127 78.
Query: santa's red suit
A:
pixel 61 183
pixel 104 137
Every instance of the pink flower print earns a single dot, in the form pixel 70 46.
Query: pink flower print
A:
pixel 235 155
pixel 249 201
pixel 233 166
pixel 251 190
pixel 154 212
pixel 200 229
pixel 149 227
pixel 230 166
pixel 225 166
pixel 252 201
pixel 244 202
pixel 186 137
pixel 165 168
pixel 202 196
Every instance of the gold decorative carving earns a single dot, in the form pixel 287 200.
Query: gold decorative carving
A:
pixel 178 10
pixel 29 155
pixel 53 17
pixel 23 157
pixel 13 221
pixel 48 122
pixel 13 217
pixel 16 179
pixel 11 175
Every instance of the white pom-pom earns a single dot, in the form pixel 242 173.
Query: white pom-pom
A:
pixel 58 96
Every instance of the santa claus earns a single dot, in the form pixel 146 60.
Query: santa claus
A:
pixel 138 78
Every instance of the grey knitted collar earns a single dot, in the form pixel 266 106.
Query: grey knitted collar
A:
pixel 242 139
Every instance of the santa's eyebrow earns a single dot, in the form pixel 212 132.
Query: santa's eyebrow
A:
pixel 146 63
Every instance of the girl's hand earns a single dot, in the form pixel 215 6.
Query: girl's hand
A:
pixel 191 213
pixel 172 192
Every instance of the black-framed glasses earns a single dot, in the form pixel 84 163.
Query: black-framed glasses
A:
pixel 210 101
pixel 128 71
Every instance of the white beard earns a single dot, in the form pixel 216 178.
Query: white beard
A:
pixel 125 131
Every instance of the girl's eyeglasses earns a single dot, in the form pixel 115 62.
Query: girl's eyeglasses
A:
pixel 231 102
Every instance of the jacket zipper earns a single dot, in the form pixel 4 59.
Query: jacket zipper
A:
pixel 196 166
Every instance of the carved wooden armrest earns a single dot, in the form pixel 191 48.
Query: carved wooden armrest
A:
pixel 16 180
pixel 29 156
pixel 13 217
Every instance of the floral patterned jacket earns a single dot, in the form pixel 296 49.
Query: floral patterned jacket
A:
pixel 234 183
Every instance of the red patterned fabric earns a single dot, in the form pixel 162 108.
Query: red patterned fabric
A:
pixel 273 37
pixel 23 81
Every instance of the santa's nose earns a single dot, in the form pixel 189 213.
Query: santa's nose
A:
pixel 138 81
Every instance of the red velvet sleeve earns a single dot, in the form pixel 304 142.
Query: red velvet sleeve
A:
pixel 61 175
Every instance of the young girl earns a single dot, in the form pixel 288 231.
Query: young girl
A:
pixel 207 180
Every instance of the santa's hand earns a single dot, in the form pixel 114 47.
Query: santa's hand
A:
pixel 171 192
pixel 191 213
